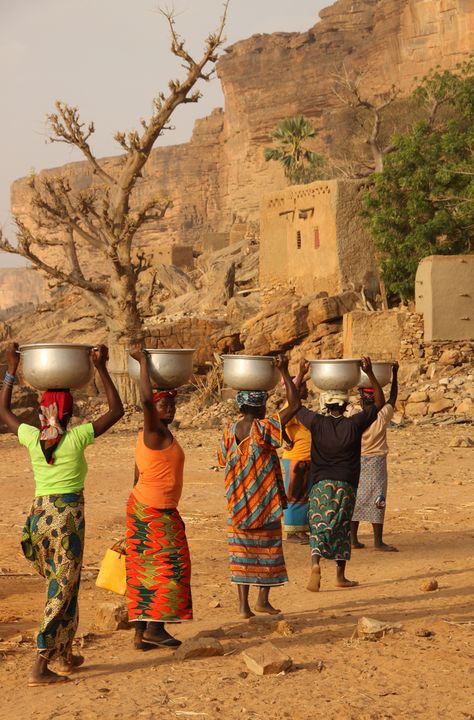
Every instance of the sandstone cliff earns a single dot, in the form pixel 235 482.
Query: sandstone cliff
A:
pixel 215 180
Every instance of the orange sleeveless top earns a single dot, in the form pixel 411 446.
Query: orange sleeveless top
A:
pixel 160 481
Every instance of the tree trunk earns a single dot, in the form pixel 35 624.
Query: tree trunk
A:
pixel 118 368
pixel 125 329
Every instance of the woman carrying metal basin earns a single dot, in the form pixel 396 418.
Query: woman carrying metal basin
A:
pixel 373 481
pixel 157 560
pixel 255 492
pixel 334 474
pixel 53 537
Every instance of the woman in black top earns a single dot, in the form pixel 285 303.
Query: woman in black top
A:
pixel 334 475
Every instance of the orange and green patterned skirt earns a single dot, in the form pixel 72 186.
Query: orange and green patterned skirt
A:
pixel 158 565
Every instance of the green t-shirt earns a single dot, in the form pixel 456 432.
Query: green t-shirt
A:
pixel 68 473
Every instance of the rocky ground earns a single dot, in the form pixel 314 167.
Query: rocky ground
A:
pixel 422 669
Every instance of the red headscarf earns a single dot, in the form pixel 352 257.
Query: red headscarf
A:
pixel 54 405
pixel 160 394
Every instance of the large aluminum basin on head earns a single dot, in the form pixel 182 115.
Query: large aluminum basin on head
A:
pixel 250 372
pixel 168 368
pixel 335 374
pixel 53 366
pixel 382 371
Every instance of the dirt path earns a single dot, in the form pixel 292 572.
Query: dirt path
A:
pixel 431 520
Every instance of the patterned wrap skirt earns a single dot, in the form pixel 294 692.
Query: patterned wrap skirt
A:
pixel 296 478
pixel 158 564
pixel 53 540
pixel 331 504
pixel 372 490
pixel 256 556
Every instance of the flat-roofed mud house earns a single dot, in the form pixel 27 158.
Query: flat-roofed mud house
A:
pixel 313 236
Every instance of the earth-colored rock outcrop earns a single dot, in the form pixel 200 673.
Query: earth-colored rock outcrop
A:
pixel 215 181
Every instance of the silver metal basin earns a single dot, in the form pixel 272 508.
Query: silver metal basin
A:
pixel 168 368
pixel 52 366
pixel 382 371
pixel 250 372
pixel 335 374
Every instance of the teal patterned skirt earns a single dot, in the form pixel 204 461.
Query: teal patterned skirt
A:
pixel 53 540
pixel 331 504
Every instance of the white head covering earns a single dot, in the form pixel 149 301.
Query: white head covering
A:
pixel 334 397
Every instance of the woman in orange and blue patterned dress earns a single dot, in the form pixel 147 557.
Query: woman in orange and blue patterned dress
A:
pixel 255 494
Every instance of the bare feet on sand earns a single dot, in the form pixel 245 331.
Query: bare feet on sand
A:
pixel 246 614
pixel 314 582
pixel 267 608
pixel 345 583
pixel 385 548
pixel 46 677
pixel 357 545
pixel 69 665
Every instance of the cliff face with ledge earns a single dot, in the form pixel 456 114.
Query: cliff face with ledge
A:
pixel 216 180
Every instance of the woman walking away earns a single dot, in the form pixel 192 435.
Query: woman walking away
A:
pixel 296 459
pixel 157 560
pixel 372 491
pixel 255 493
pixel 53 537
pixel 335 470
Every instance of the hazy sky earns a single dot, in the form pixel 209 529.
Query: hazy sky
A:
pixel 108 57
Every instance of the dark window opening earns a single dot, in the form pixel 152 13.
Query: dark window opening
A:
pixel 316 238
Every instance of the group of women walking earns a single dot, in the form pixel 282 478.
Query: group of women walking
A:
pixel 321 463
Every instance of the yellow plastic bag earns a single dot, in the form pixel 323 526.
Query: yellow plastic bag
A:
pixel 112 575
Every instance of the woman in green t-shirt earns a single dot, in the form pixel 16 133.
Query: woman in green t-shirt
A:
pixel 53 536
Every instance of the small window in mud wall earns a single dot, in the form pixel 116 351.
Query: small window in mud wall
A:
pixel 316 238
pixel 298 239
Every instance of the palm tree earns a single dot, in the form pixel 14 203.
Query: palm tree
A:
pixel 300 164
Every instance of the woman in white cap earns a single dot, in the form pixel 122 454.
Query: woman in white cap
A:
pixel 334 475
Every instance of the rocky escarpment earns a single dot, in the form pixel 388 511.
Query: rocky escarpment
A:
pixel 20 287
pixel 215 181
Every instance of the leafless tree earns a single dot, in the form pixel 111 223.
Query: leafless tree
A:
pixel 105 218
pixel 368 114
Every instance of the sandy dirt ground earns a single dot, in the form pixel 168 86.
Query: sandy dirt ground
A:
pixel 430 518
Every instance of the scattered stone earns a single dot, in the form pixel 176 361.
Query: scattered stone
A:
pixel 214 604
pixel 214 633
pixel 371 629
pixel 440 406
pixel 418 396
pixel 450 357
pixel 243 675
pixel 466 407
pixel 458 442
pixel 199 648
pixel 320 665
pixel 429 585
pixel 110 616
pixel 283 627
pixel 415 409
pixel 423 632
pixel 266 659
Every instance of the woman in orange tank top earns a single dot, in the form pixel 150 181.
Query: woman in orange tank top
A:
pixel 157 560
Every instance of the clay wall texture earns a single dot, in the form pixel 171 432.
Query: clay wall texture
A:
pixel 444 289
pixel 313 236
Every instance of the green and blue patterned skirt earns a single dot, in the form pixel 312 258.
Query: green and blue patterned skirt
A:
pixel 331 504
pixel 53 540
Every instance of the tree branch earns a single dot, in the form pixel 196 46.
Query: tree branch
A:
pixel 25 240
pixel 67 128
